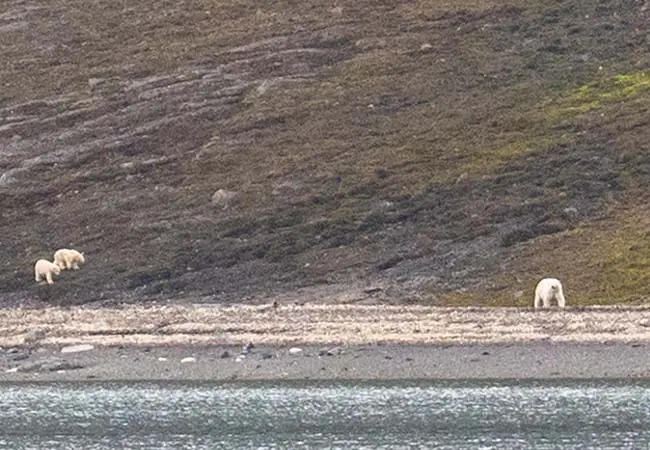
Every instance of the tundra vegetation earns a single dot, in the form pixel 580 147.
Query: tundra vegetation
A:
pixel 440 153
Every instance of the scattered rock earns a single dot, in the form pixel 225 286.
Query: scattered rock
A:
pixel 55 365
pixel 94 82
pixel 372 290
pixel 162 358
pixel 267 355
pixel 33 337
pixel 295 351
pixel 77 348
pixel 225 354
pixel 334 351
pixel 6 178
pixel 19 356
pixel 571 211
pixel 189 359
pixel 48 365
pixel 247 348
pixel 224 198
pixel 286 189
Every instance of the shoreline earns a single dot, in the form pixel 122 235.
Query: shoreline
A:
pixel 318 324
pixel 524 361
pixel 329 342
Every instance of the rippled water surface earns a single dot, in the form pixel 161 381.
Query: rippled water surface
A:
pixel 294 415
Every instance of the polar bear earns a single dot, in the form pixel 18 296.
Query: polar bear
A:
pixel 547 290
pixel 43 270
pixel 66 258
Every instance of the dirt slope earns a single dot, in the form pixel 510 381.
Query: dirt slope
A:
pixel 416 151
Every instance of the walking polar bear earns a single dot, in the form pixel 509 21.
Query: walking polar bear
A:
pixel 44 271
pixel 547 290
pixel 67 258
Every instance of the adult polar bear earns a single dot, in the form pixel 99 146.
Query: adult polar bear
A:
pixel 547 290
pixel 43 270
pixel 67 258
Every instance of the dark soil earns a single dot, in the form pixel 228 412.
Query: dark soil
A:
pixel 401 151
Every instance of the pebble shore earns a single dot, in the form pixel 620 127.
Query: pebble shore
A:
pixel 328 342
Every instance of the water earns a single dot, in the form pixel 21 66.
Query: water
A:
pixel 311 415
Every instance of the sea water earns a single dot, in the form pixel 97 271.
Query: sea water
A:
pixel 327 415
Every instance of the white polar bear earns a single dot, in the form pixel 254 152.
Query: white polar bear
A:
pixel 43 270
pixel 66 258
pixel 547 290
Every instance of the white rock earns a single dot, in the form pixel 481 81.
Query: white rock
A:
pixel 295 351
pixel 12 370
pixel 93 82
pixel 189 359
pixel 162 358
pixel 77 348
pixel 224 198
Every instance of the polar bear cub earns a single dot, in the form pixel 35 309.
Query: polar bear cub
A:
pixel 67 258
pixel 43 270
pixel 547 290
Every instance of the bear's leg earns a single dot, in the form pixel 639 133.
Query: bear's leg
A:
pixel 75 266
pixel 561 301
pixel 49 278
pixel 538 301
pixel 547 301
pixel 38 277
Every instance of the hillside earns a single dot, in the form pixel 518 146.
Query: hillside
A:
pixel 416 151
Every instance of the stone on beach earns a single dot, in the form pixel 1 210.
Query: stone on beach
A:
pixel 47 365
pixel 334 351
pixel 295 351
pixel 77 348
pixel 34 336
pixel 189 359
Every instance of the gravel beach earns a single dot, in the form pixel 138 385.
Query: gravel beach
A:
pixel 209 342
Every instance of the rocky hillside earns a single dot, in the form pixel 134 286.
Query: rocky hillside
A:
pixel 390 151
